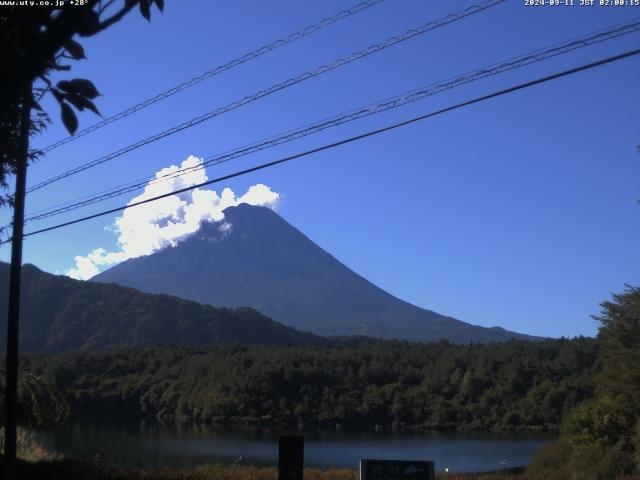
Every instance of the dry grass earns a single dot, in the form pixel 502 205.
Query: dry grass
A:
pixel 69 469
pixel 72 469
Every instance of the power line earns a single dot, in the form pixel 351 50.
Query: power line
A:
pixel 408 97
pixel 218 70
pixel 276 88
pixel 384 105
pixel 362 136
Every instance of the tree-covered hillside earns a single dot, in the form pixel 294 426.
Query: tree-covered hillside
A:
pixel 60 314
pixel 510 385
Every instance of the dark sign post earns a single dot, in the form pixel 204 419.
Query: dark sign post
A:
pixel 291 458
pixel 397 470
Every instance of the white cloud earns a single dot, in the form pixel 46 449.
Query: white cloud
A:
pixel 84 269
pixel 147 228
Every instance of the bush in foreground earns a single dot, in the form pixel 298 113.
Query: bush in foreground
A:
pixel 600 439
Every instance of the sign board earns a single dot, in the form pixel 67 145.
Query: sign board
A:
pixel 397 470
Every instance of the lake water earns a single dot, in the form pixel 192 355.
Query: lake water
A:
pixel 162 446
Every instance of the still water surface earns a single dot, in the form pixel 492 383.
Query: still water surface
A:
pixel 180 447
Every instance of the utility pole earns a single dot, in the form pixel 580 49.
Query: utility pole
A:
pixel 13 319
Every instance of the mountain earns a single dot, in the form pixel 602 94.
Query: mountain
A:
pixel 256 259
pixel 60 314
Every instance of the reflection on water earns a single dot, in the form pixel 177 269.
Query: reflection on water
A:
pixel 150 446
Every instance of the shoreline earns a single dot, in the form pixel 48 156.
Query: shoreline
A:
pixel 246 424
pixel 466 453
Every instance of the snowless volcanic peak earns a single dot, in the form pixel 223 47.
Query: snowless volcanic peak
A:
pixel 255 258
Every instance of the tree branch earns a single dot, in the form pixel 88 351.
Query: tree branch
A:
pixel 116 17
pixel 105 7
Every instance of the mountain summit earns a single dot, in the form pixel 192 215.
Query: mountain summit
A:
pixel 255 258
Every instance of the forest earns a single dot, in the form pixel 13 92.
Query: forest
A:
pixel 587 389
pixel 361 384
pixel 62 314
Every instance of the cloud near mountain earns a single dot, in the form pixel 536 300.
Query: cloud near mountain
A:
pixel 148 228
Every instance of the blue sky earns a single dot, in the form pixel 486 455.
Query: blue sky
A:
pixel 519 212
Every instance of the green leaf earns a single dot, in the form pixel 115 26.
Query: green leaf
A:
pixel 81 102
pixel 89 23
pixel 65 86
pixel 91 106
pixel 69 118
pixel 75 49
pixel 57 94
pixel 35 105
pixel 144 9
pixel 160 5
pixel 75 100
pixel 79 86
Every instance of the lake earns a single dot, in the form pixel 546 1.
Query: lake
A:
pixel 151 446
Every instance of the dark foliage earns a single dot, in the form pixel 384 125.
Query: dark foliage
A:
pixel 39 404
pixel 620 339
pixel 601 437
pixel 507 386
pixel 38 41
pixel 61 314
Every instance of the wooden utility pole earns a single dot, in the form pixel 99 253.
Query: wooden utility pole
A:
pixel 13 318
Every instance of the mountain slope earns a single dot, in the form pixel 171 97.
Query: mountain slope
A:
pixel 263 262
pixel 61 314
